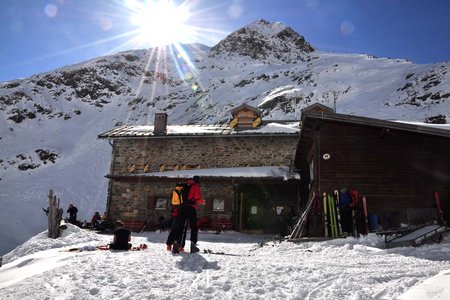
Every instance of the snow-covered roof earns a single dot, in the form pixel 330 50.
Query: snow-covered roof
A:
pixel 280 172
pixel 268 128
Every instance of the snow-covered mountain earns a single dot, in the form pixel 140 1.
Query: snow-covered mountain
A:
pixel 50 121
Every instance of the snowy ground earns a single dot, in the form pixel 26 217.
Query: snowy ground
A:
pixel 340 269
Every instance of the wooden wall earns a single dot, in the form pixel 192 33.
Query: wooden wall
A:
pixel 397 171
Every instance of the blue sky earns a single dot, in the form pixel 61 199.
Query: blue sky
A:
pixel 40 36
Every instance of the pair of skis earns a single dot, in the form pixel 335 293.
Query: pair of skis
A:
pixel 332 214
pixel 297 232
pixel 354 206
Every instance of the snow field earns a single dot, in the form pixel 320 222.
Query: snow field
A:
pixel 337 269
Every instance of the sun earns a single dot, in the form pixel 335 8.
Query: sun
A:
pixel 161 22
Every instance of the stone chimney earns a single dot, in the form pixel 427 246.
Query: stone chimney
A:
pixel 160 126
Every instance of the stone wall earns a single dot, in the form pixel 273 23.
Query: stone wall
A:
pixel 135 199
pixel 205 152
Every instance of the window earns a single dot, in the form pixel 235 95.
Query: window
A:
pixel 161 203
pixel 218 205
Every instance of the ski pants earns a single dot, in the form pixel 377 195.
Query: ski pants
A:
pixel 188 213
pixel 175 224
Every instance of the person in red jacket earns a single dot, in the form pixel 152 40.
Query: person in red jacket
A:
pixel 189 212
pixel 95 220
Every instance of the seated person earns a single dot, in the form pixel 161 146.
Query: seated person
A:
pixel 122 237
pixel 96 218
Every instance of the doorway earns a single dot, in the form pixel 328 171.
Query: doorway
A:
pixel 263 208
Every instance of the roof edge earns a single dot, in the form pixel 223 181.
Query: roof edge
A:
pixel 351 119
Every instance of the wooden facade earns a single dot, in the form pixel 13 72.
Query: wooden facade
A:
pixel 245 117
pixel 397 166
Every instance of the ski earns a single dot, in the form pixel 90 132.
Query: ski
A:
pixel 209 251
pixel 440 213
pixel 183 237
pixel 338 212
pixel 316 218
pixel 325 217
pixel 298 229
pixel 354 202
pixel 366 220
pixel 332 216
pixel 142 227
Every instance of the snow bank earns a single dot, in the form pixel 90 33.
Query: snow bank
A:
pixel 251 267
pixel 71 236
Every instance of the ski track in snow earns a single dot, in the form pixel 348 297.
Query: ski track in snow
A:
pixel 341 269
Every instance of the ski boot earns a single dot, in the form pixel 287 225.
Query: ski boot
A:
pixel 175 248
pixel 194 248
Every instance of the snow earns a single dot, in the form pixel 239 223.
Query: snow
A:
pixel 268 30
pixel 260 172
pixel 271 127
pixel 293 127
pixel 258 267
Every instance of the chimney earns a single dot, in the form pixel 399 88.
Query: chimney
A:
pixel 160 126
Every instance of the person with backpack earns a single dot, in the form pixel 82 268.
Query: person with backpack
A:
pixel 176 201
pixel 188 212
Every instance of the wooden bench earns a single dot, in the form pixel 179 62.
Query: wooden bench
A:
pixel 221 224
pixel 135 225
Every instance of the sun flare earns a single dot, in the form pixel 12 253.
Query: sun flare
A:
pixel 161 22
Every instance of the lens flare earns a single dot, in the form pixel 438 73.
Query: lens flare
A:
pixel 51 10
pixel 347 28
pixel 161 22
pixel 105 23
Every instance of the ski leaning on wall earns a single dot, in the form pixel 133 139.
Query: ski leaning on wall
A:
pixel 353 204
pixel 366 220
pixel 333 220
pixel 325 216
pixel 351 211
pixel 338 212
pixel 297 232
pixel 440 213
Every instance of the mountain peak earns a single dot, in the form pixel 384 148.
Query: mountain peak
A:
pixel 266 28
pixel 262 40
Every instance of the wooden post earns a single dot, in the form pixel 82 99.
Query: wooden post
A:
pixel 54 216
